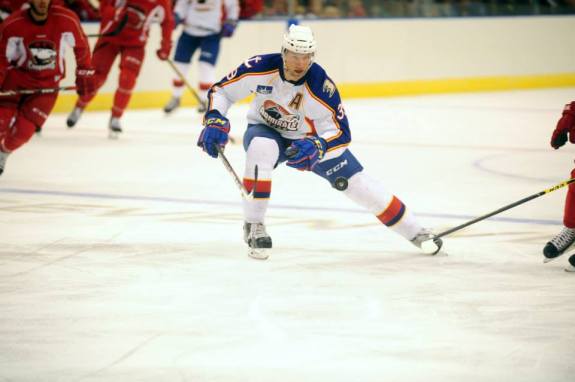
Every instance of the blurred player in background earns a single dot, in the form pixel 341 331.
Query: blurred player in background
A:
pixel 297 116
pixel 129 44
pixel 565 130
pixel 205 23
pixel 32 42
pixel 250 8
pixel 83 9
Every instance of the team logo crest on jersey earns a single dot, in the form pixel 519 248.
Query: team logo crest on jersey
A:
pixel 328 87
pixel 263 89
pixel 136 17
pixel 42 55
pixel 278 117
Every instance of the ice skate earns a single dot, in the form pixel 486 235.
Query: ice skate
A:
pixel 114 128
pixel 428 242
pixel 74 117
pixel 172 105
pixel 3 157
pixel 559 244
pixel 256 237
pixel 571 266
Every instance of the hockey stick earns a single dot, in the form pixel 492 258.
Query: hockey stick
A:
pixel 505 208
pixel 191 89
pixel 114 31
pixel 35 91
pixel 183 79
pixel 245 194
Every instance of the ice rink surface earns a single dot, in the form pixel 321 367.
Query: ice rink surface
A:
pixel 124 261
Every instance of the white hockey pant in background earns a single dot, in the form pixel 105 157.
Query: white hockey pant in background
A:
pixel 207 77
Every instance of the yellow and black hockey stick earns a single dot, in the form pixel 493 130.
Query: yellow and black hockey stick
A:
pixel 119 27
pixel 191 89
pixel 507 207
pixel 245 193
pixel 185 81
pixel 8 93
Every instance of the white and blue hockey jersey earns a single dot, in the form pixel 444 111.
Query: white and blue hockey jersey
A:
pixel 204 17
pixel 311 106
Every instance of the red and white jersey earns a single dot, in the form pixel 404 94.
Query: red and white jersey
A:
pixel 204 17
pixel 141 15
pixel 35 51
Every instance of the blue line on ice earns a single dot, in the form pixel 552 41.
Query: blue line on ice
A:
pixel 93 195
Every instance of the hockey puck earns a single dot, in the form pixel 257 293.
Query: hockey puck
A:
pixel 340 183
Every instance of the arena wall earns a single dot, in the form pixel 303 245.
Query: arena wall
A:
pixel 387 57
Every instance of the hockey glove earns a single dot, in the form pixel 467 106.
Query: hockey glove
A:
pixel 164 52
pixel 215 132
pixel 85 81
pixel 565 127
pixel 229 28
pixel 304 154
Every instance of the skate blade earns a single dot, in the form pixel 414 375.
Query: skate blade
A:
pixel 259 253
pixel 431 247
pixel 113 134
pixel 549 259
pixel 570 269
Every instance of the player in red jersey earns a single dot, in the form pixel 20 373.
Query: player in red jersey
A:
pixel 129 44
pixel 83 9
pixel 32 45
pixel 565 130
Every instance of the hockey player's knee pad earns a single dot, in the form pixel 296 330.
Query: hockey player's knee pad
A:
pixel 263 152
pixel 130 66
pixel 344 166
pixel 37 109
pixel 23 130
pixel 6 119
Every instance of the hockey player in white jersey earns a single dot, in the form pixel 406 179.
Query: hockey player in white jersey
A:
pixel 203 28
pixel 297 117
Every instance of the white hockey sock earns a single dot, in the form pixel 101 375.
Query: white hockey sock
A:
pixel 372 195
pixel 177 91
pixel 264 153
pixel 207 77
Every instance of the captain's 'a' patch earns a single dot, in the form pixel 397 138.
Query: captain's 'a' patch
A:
pixel 328 87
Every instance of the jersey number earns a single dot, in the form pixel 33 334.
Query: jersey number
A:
pixel 340 112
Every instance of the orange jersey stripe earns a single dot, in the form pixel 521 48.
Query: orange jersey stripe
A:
pixel 247 75
pixel 334 118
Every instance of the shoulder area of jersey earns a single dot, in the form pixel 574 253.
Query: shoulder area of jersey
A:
pixel 319 82
pixel 57 8
pixel 19 14
pixel 263 62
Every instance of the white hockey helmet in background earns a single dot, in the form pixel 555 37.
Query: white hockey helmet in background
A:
pixel 299 39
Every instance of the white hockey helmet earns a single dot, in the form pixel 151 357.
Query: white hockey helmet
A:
pixel 299 39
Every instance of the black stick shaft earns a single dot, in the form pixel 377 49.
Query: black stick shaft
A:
pixel 232 172
pixel 114 31
pixel 36 91
pixel 185 81
pixel 505 208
